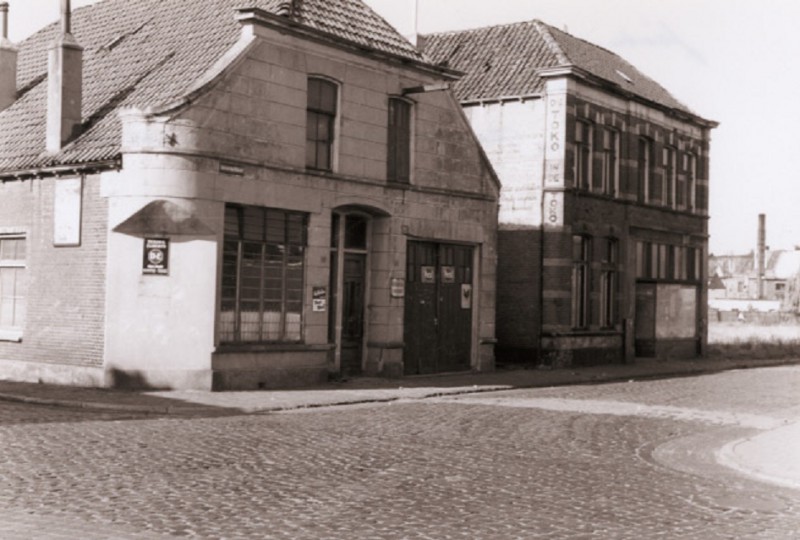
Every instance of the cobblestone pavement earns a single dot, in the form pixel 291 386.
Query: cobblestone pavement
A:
pixel 624 460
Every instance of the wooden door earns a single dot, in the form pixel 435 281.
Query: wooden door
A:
pixel 352 337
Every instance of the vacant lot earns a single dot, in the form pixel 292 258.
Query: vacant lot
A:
pixel 736 332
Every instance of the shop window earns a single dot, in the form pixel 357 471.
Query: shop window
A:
pixel 320 123
pixel 609 284
pixel 582 166
pixel 581 280
pixel 609 150
pixel 262 275
pixel 399 146
pixel 13 286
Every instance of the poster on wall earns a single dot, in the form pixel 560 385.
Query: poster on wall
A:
pixel 319 299
pixel 67 212
pixel 156 257
pixel 466 296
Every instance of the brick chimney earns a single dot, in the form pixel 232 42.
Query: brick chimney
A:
pixel 65 79
pixel 8 62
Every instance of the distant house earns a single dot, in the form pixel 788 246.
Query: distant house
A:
pixel 739 274
pixel 198 196
pixel 604 205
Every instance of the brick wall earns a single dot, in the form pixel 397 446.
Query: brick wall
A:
pixel 518 296
pixel 66 285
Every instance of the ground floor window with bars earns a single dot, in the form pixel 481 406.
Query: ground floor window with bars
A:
pixel 262 275
pixel 13 286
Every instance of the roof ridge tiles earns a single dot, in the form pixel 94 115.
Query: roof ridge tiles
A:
pixel 550 40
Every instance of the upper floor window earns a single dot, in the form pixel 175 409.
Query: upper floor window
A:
pixel 320 123
pixel 583 155
pixel 608 156
pixel 670 176
pixel 262 275
pixel 645 170
pixel 691 181
pixel 13 286
pixel 398 166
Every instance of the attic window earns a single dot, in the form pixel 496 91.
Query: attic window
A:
pixel 621 74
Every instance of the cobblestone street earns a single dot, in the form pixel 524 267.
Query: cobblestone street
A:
pixel 624 460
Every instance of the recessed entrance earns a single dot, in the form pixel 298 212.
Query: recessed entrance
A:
pixel 438 308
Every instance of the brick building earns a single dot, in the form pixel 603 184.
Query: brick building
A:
pixel 204 195
pixel 604 206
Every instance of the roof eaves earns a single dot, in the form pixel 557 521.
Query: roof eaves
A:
pixel 259 17
pixel 61 170
pixel 501 99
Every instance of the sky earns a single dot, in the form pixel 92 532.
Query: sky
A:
pixel 733 61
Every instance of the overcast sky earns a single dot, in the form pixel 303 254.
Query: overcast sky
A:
pixel 734 61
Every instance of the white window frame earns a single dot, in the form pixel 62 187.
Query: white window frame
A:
pixel 13 333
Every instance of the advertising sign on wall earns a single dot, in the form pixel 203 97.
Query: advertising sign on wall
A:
pixel 156 257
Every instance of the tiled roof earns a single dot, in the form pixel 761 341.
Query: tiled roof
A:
pixel 148 53
pixel 502 61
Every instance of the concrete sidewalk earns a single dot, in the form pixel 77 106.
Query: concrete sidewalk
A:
pixel 360 390
pixel 770 456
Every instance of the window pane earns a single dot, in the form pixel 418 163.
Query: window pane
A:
pixel 230 256
pixel 314 93
pixel 232 228
pixel 253 223
pixel 276 227
pixel 323 160
pixel 355 232
pixel 327 100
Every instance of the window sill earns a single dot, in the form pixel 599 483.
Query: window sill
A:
pixel 11 334
pixel 270 347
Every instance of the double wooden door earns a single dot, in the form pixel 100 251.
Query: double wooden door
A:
pixel 438 308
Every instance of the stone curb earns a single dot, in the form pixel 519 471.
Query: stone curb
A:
pixel 120 407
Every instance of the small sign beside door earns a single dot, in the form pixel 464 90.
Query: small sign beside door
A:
pixel 156 257
pixel 398 287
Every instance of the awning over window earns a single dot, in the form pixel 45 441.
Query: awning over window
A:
pixel 164 218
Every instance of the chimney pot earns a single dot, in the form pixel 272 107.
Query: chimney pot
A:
pixel 4 20
pixel 8 62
